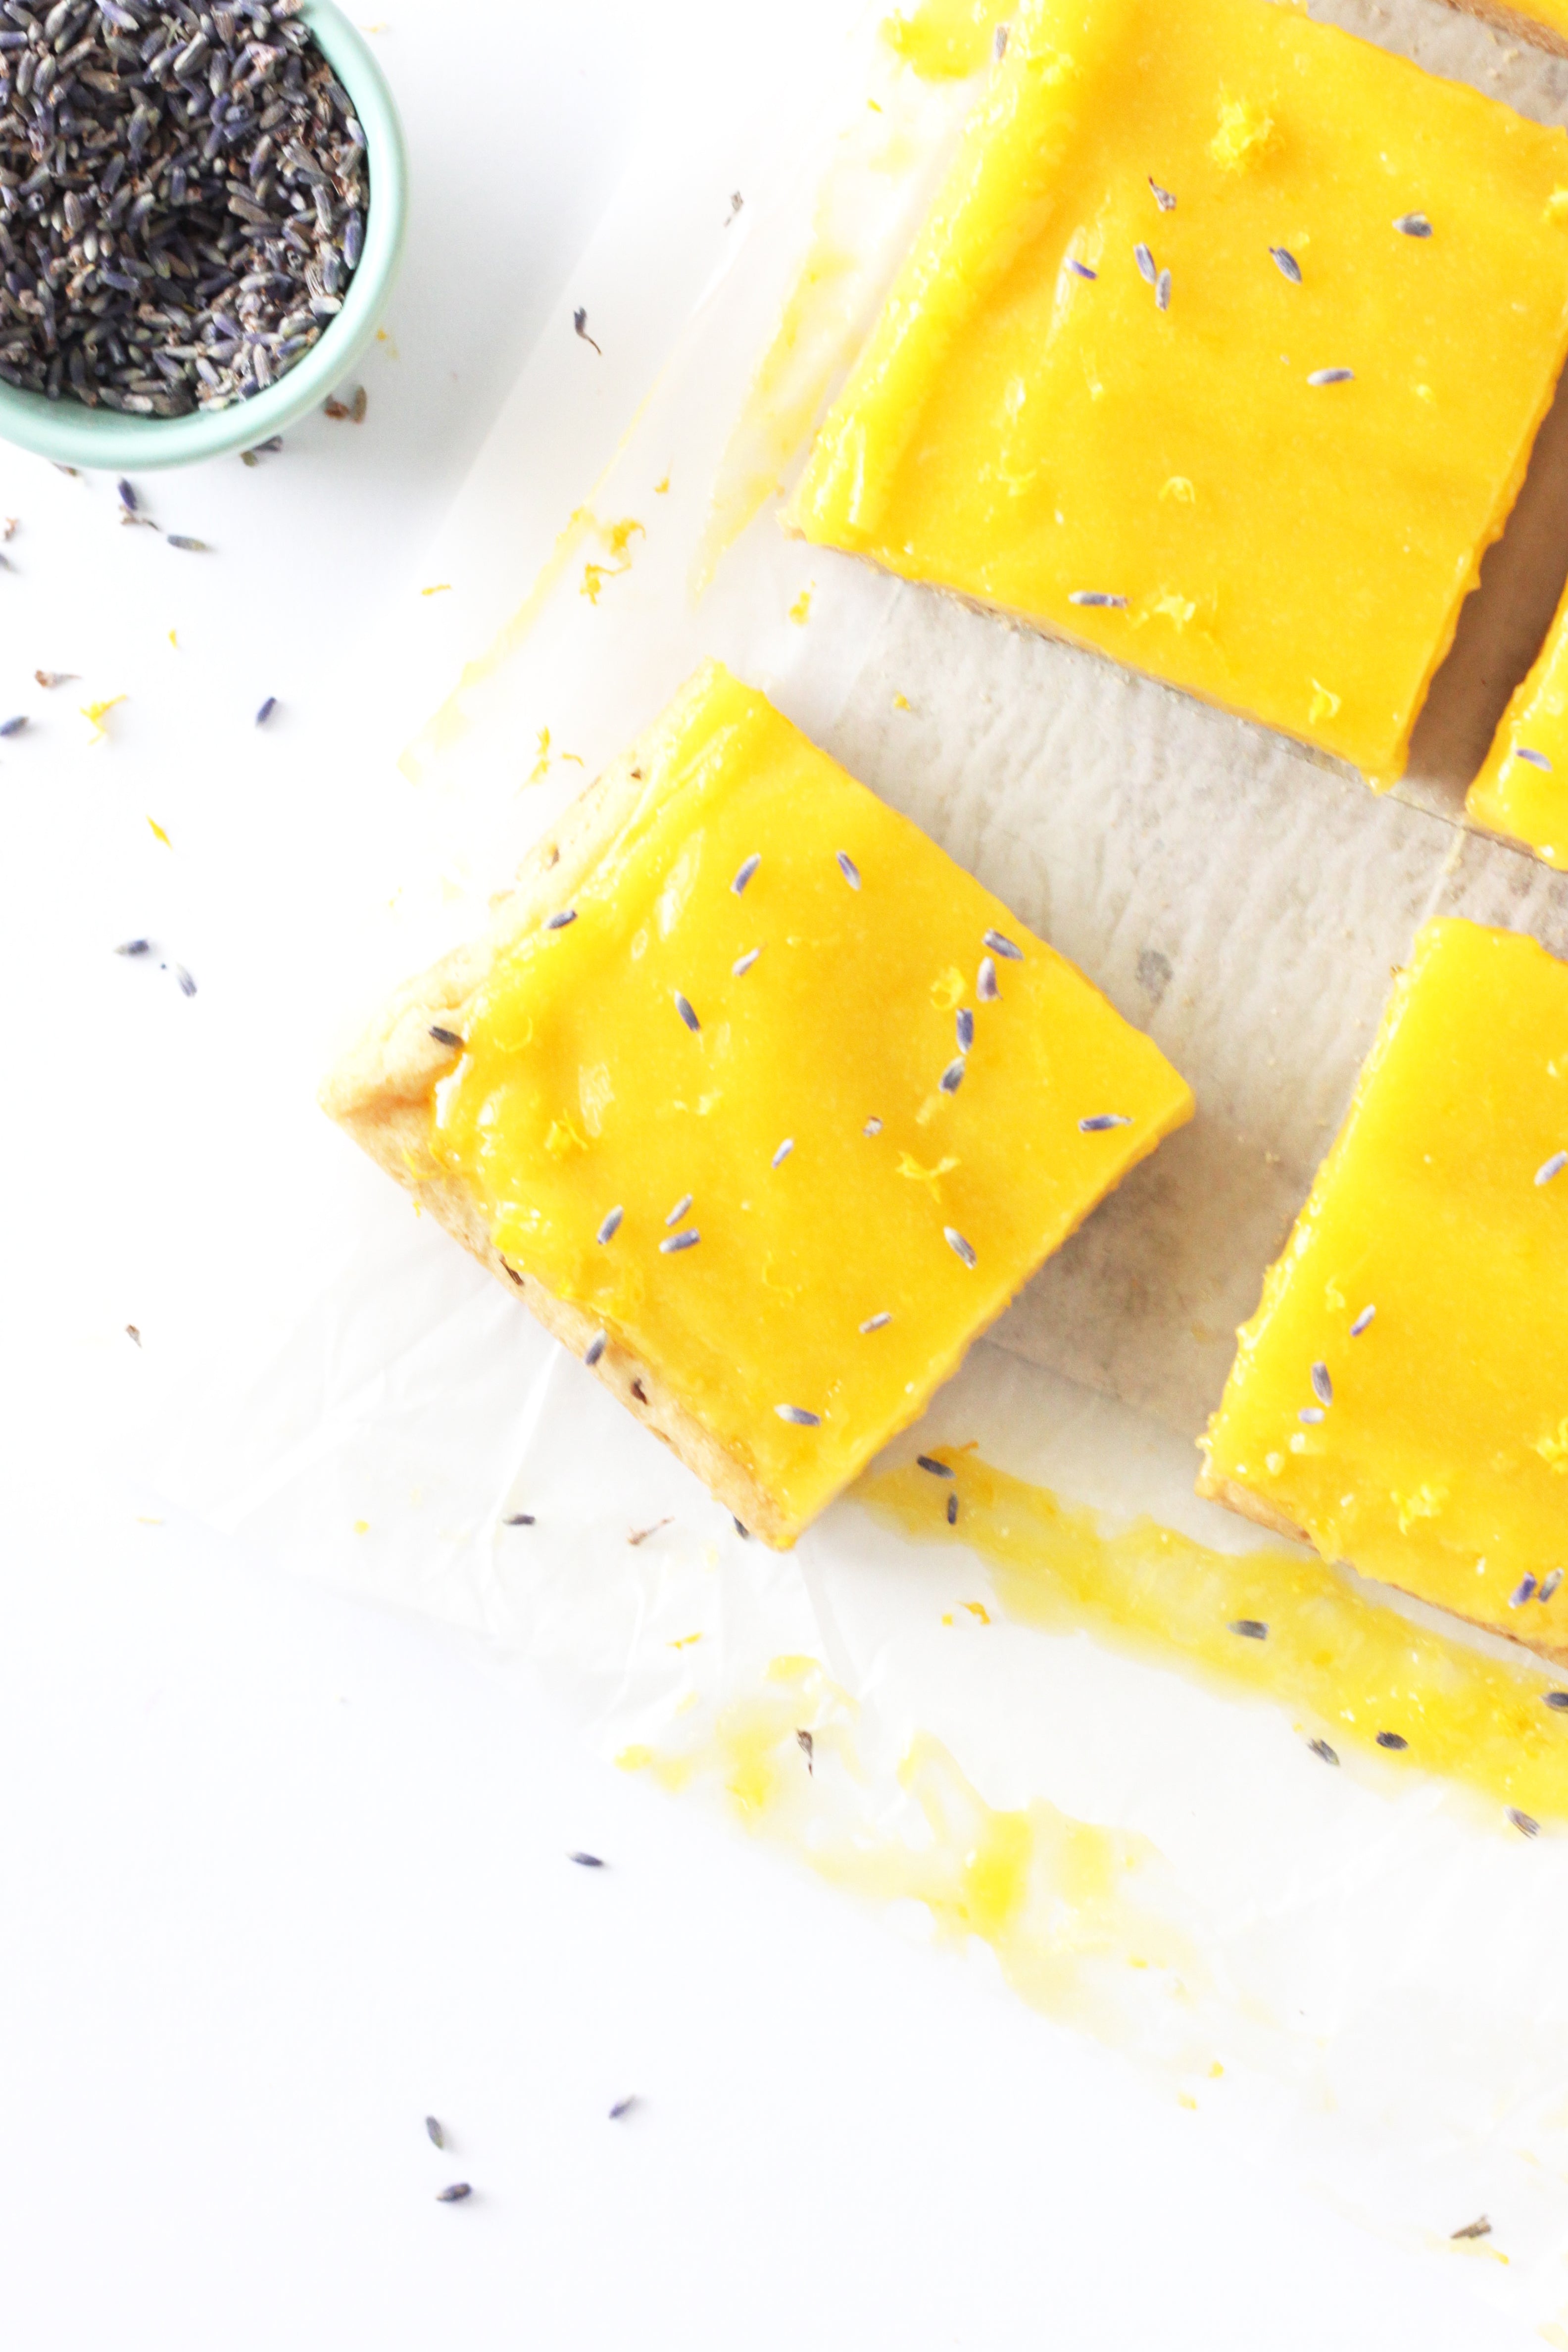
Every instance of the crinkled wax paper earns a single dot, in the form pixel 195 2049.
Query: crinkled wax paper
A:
pixel 1359 1973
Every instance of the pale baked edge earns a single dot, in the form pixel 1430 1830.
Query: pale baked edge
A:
pixel 1027 625
pixel 1252 1507
pixel 379 1089
pixel 1511 20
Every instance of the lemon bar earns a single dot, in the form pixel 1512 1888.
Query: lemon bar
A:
pixel 765 1106
pixel 1522 789
pixel 1223 352
pixel 1401 1396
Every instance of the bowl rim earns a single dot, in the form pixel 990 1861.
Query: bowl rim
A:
pixel 96 439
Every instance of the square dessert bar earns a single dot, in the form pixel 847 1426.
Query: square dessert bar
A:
pixel 765 1106
pixel 1223 351
pixel 1401 1396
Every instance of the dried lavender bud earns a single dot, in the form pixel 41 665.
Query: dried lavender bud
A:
pixel 587 1861
pixel 455 2194
pixel 436 2134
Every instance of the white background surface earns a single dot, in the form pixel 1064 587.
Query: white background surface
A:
pixel 280 1874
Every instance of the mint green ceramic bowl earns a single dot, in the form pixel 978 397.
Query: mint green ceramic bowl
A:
pixel 100 439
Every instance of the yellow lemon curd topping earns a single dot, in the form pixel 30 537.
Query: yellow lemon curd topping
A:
pixel 1522 790
pixel 1274 1624
pixel 729 1109
pixel 1184 363
pixel 1402 1393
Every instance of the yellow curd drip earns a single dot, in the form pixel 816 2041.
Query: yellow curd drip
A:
pixel 1348 1664
pixel 1430 1447
pixel 857 1224
pixel 944 40
pixel 1035 424
pixel 1522 790
pixel 448 726
pixel 1066 1906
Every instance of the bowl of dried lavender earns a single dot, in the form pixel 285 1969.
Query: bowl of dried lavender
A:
pixel 201 212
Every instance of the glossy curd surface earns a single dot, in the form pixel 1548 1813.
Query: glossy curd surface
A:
pixel 1427 1440
pixel 1046 421
pixel 826 1000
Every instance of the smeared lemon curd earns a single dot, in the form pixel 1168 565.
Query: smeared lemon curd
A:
pixel 1427 1443
pixel 1068 1906
pixel 1522 789
pixel 1347 1663
pixel 944 40
pixel 842 1279
pixel 1027 425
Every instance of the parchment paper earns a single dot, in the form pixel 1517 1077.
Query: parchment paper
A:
pixel 1375 1964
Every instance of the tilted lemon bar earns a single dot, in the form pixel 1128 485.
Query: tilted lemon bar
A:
pixel 1223 351
pixel 764 1105
pixel 1522 789
pixel 1401 1396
